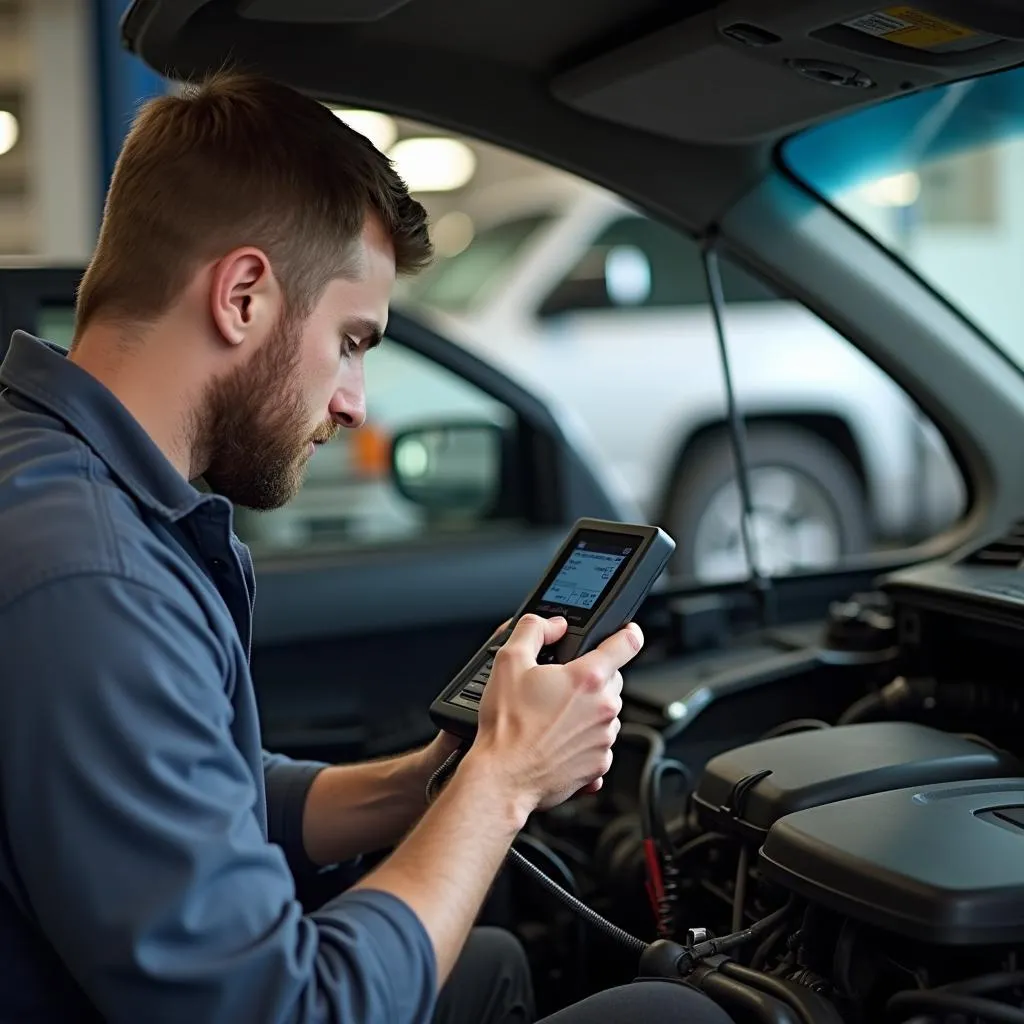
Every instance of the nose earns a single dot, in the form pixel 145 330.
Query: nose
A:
pixel 348 407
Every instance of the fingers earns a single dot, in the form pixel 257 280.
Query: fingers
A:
pixel 594 668
pixel 531 634
pixel 615 685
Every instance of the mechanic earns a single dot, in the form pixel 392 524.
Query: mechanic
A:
pixel 151 853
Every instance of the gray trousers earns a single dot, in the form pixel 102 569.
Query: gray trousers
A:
pixel 490 984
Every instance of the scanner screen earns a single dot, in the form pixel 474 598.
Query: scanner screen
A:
pixel 584 576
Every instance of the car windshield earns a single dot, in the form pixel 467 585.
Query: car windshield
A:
pixel 455 283
pixel 936 177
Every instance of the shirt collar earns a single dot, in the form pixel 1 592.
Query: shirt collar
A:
pixel 41 373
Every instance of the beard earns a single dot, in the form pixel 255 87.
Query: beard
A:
pixel 255 426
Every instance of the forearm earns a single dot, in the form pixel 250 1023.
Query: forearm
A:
pixel 445 867
pixel 354 809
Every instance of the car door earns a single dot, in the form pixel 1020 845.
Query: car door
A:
pixel 367 601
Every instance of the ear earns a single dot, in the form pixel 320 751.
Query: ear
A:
pixel 244 296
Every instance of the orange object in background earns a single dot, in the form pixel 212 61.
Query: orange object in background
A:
pixel 371 452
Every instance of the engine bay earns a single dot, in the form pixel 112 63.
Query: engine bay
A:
pixel 857 858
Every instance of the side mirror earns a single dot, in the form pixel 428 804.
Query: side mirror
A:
pixel 449 468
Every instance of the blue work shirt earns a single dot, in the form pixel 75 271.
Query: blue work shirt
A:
pixel 149 848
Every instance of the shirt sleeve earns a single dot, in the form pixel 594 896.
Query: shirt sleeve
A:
pixel 287 787
pixel 130 822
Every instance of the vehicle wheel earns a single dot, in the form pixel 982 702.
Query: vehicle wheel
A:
pixel 809 506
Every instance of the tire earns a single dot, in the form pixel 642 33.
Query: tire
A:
pixel 704 503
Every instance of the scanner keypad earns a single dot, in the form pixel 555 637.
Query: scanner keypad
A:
pixel 471 694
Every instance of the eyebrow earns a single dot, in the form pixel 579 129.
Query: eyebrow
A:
pixel 368 331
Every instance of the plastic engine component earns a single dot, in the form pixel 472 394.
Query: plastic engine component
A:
pixel 746 790
pixel 940 864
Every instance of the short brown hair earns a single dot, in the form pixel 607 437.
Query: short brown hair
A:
pixel 241 160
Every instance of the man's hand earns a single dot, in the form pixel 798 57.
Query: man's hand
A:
pixel 546 731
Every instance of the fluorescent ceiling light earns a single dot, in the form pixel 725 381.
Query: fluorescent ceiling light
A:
pixel 433 164
pixel 379 128
pixel 8 131
pixel 452 233
pixel 895 190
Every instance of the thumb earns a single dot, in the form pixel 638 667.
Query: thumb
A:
pixel 532 632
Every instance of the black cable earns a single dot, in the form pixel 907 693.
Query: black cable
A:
pixel 739 892
pixel 653 826
pixel 440 776
pixel 539 846
pixel 655 805
pixel 797 725
pixel 561 868
pixel 667 907
pixel 985 983
pixel 949 1002
pixel 654 740
pixel 593 918
pixel 656 750
pixel 712 947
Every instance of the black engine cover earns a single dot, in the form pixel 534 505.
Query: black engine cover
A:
pixel 746 790
pixel 941 864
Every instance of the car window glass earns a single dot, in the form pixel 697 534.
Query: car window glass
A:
pixel 604 313
pixel 349 495
pixel 934 177
pixel 636 262
pixel 460 281
pixel 841 461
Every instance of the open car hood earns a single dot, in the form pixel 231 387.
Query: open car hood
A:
pixel 638 96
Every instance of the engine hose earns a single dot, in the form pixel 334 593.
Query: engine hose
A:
pixel 985 983
pixel 751 1003
pixel 761 954
pixel 950 1003
pixel 612 931
pixel 809 1007
pixel 739 898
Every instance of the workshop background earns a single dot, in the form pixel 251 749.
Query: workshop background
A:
pixel 588 303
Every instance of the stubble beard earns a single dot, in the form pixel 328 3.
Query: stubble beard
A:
pixel 254 426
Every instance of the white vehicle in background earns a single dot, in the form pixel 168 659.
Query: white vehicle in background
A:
pixel 603 312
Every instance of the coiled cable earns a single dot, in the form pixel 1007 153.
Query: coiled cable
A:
pixel 601 924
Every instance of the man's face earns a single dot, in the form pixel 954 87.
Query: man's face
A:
pixel 264 421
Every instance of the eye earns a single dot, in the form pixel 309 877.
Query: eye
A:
pixel 349 345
